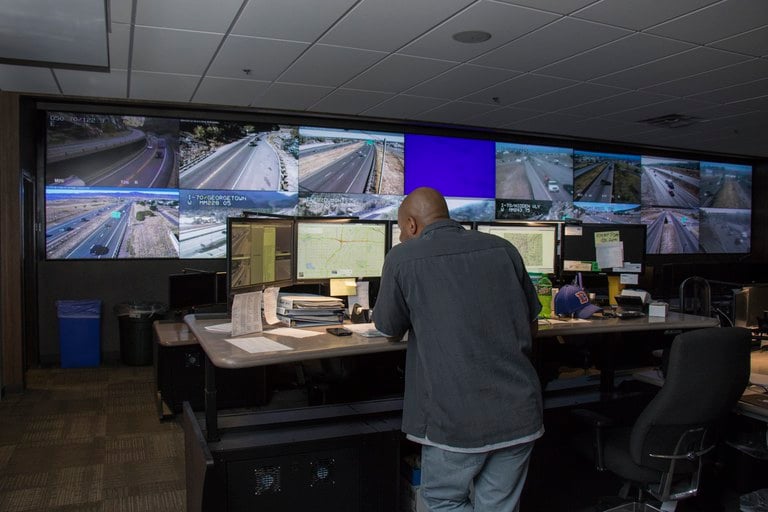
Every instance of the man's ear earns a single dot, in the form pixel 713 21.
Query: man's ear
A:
pixel 411 227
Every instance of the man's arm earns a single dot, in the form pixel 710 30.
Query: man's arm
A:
pixel 391 315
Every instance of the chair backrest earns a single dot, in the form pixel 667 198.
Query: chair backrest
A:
pixel 707 373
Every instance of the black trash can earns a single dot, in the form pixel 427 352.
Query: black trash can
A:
pixel 135 320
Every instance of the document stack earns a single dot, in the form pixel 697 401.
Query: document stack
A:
pixel 305 310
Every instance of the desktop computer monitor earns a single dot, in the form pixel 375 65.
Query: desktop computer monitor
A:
pixel 604 248
pixel 191 289
pixel 536 242
pixel 260 253
pixel 330 248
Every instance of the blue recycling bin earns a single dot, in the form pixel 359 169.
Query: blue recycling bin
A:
pixel 79 332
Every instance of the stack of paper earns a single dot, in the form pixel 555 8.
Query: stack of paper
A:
pixel 301 310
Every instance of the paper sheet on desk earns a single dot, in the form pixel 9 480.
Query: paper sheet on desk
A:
pixel 293 333
pixel 553 321
pixel 225 328
pixel 269 299
pixel 257 344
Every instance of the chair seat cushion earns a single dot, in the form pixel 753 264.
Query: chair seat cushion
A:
pixel 618 460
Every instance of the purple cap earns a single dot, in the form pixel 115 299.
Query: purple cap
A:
pixel 572 299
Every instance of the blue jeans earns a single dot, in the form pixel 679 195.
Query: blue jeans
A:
pixel 498 477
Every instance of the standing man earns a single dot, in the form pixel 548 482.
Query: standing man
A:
pixel 472 396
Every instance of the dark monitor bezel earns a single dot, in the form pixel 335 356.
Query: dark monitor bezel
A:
pixel 332 220
pixel 606 227
pixel 175 282
pixel 262 285
pixel 555 226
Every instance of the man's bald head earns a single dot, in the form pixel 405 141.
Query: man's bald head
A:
pixel 419 209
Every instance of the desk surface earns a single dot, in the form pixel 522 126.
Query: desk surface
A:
pixel 173 334
pixel 226 355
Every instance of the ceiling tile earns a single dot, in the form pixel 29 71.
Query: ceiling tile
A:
pixel 294 20
pixel 624 101
pixel 720 111
pixel 518 89
pixel 93 83
pixel 202 15
pixel 162 86
pixel 27 79
pixel 72 33
pixel 266 58
pixel 455 112
pixel 329 65
pixel 559 6
pixel 403 106
pixel 349 101
pixel 403 20
pixel 734 93
pixel 119 42
pixel 692 62
pixel 229 91
pixel 723 19
pixel 564 98
pixel 610 129
pixel 754 42
pixel 503 21
pixel 120 11
pixel 705 82
pixel 172 51
pixel 547 123
pixel 461 81
pixel 397 73
pixel 639 15
pixel 564 38
pixel 291 96
pixel 616 56
pixel 662 108
pixel 759 103
pixel 501 117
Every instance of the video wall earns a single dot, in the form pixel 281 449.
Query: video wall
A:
pixel 122 186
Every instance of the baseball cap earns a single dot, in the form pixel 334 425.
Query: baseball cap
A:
pixel 573 300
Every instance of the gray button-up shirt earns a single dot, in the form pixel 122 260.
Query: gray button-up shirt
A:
pixel 467 302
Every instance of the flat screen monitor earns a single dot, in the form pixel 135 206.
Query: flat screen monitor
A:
pixel 604 248
pixel 192 289
pixel 260 252
pixel 334 248
pixel 536 242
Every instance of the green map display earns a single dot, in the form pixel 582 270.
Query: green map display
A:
pixel 330 250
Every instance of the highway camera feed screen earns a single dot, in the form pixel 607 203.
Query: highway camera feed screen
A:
pixel 261 253
pixel 536 244
pixel 331 250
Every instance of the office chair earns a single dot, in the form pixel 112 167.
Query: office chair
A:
pixel 662 453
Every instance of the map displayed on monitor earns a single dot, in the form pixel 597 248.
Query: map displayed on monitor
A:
pixel 330 250
pixel 536 244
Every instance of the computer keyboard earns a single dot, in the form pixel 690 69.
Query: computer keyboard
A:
pixel 629 314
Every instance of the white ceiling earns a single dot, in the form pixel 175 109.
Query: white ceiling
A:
pixel 589 69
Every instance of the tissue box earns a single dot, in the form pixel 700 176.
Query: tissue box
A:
pixel 658 309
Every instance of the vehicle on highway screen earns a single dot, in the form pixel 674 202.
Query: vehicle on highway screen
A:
pixel 350 162
pixel 101 150
pixel 237 155
pixel 333 248
pixel 606 178
pixel 111 223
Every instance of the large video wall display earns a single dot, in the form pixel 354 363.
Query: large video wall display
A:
pixel 131 186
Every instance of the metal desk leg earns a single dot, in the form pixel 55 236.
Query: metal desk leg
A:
pixel 211 413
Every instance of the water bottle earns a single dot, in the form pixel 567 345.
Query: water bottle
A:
pixel 544 291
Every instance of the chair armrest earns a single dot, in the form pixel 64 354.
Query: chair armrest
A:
pixel 597 421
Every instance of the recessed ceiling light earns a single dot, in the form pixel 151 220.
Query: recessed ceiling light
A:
pixel 472 36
